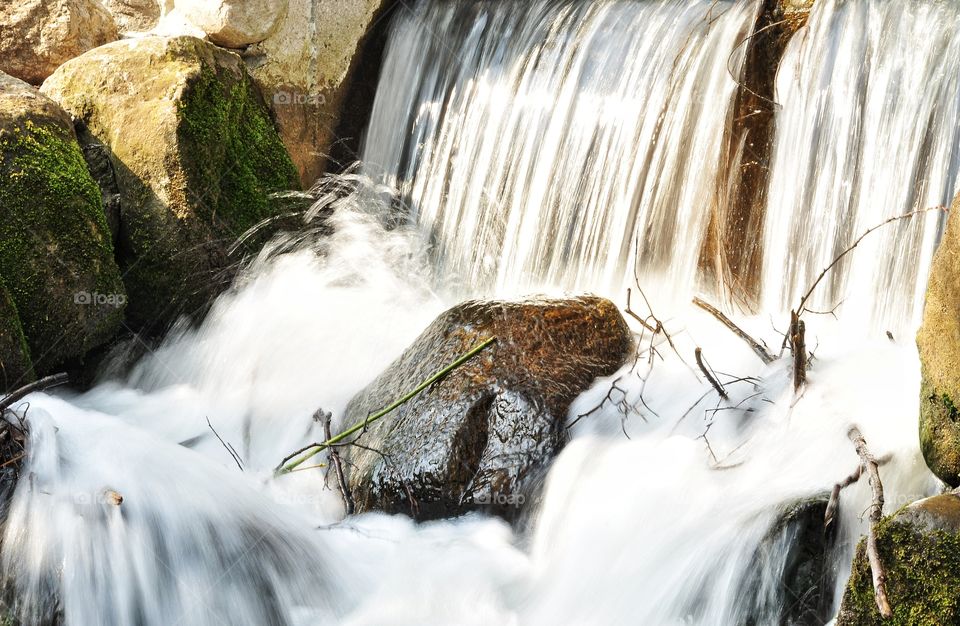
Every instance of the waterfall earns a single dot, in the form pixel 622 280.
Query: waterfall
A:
pixel 869 129
pixel 559 144
pixel 535 145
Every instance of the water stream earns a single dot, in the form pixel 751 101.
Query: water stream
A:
pixel 545 146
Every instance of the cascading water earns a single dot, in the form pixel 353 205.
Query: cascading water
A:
pixel 870 129
pixel 540 136
pixel 558 144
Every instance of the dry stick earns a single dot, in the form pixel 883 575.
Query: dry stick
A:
pixel 876 514
pixel 758 349
pixel 698 353
pixel 314 450
pixel 337 465
pixel 40 385
pixel 834 503
pixel 233 453
pixel 798 344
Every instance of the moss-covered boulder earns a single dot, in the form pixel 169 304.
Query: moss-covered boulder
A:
pixel 195 155
pixel 920 549
pixel 15 366
pixel 56 254
pixel 939 345
pixel 476 438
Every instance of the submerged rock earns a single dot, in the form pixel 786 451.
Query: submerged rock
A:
pixel 939 345
pixel 195 157
pixel 56 253
pixel 792 581
pixel 919 547
pixel 37 36
pixel 474 439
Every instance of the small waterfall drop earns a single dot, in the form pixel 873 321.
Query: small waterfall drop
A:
pixel 559 144
pixel 870 129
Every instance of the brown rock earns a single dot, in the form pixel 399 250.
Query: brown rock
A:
pixel 476 438
pixel 37 36
pixel 939 345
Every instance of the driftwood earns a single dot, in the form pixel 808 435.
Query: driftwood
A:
pixel 326 417
pixel 755 345
pixel 869 464
pixel 698 353
pixel 798 345
pixel 19 394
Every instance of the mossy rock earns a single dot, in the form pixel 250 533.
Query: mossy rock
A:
pixel 920 550
pixel 15 366
pixel 939 345
pixel 196 158
pixel 56 251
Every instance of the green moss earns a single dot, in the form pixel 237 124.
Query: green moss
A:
pixel 939 431
pixel 923 578
pixel 54 242
pixel 15 365
pixel 232 152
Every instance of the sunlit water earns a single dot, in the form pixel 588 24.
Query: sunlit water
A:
pixel 653 514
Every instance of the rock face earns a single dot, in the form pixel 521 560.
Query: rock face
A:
pixel 939 345
pixel 920 549
pixel 473 439
pixel 37 36
pixel 56 254
pixel 234 23
pixel 195 158
pixel 303 67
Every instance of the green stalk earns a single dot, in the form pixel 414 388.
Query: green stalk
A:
pixel 382 412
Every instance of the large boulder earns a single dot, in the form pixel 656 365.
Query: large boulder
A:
pixel 234 23
pixel 304 68
pixel 920 550
pixel 939 345
pixel 195 157
pixel 37 36
pixel 56 254
pixel 474 439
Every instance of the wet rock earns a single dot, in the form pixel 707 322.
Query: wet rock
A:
pixel 474 439
pixel 792 581
pixel 56 253
pixel 195 157
pixel 939 345
pixel 37 36
pixel 919 547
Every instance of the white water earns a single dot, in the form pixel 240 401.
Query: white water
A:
pixel 870 129
pixel 558 143
pixel 657 528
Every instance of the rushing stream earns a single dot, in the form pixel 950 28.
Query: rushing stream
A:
pixel 538 146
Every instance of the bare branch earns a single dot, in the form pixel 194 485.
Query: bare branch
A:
pixel 698 353
pixel 869 464
pixel 758 349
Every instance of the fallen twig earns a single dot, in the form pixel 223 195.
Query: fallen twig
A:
pixel 698 353
pixel 798 345
pixel 337 465
pixel 758 349
pixel 226 446
pixel 869 464
pixel 313 450
pixel 39 385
